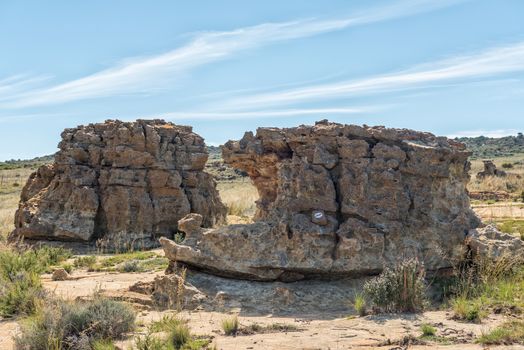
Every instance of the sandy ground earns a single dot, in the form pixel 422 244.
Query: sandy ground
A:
pixel 499 210
pixel 314 331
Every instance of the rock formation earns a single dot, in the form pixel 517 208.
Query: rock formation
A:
pixel 120 182
pixel 490 169
pixel 338 200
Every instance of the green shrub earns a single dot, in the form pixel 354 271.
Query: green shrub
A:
pixel 67 267
pixel 428 330
pixel 20 286
pixel 507 165
pixel 360 304
pixel 130 266
pixel 511 332
pixel 53 255
pixel 150 342
pixel 20 294
pixel 401 289
pixel 105 344
pixel 165 324
pixel 282 327
pixel 230 325
pixel 179 237
pixel 75 325
pixel 467 310
pixel 179 335
pixel 515 227
pixel 85 261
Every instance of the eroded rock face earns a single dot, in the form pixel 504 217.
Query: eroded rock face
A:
pixel 488 243
pixel 123 182
pixel 339 200
pixel 490 169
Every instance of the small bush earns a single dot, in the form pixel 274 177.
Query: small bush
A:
pixel 428 330
pixel 150 342
pixel 53 255
pixel 282 327
pixel 179 237
pixel 85 261
pixel 130 266
pixel 230 325
pixel 467 310
pixel 20 294
pixel 105 344
pixel 165 324
pixel 515 227
pixel 67 267
pixel 507 165
pixel 179 335
pixel 360 304
pixel 76 325
pixel 20 286
pixel 511 332
pixel 401 289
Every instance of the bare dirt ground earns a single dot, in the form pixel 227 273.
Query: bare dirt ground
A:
pixel 499 210
pixel 326 331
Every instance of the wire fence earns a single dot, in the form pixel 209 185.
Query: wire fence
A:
pixel 13 178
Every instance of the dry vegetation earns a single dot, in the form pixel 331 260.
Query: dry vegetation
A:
pixel 239 197
pixel 11 182
pixel 513 183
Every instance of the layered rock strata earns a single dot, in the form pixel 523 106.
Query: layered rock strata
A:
pixel 119 182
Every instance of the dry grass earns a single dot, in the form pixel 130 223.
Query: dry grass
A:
pixel 499 211
pixel 239 197
pixel 11 183
pixel 511 183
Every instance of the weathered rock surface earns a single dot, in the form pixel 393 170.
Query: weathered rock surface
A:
pixel 339 200
pixel 490 169
pixel 60 274
pixel 489 243
pixel 120 183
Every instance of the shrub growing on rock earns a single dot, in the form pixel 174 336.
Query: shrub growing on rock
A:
pixel 398 289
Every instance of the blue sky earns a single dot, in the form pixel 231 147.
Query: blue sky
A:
pixel 452 67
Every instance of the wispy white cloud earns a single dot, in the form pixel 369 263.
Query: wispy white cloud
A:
pixel 17 83
pixel 265 113
pixel 487 133
pixel 19 117
pixel 140 75
pixel 498 60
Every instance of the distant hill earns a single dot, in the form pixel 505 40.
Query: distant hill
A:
pixel 491 147
pixel 26 163
pixel 215 153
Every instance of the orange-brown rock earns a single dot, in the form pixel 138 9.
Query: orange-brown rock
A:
pixel 119 181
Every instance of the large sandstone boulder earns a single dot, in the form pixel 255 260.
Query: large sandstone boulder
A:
pixel 339 200
pixel 121 182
